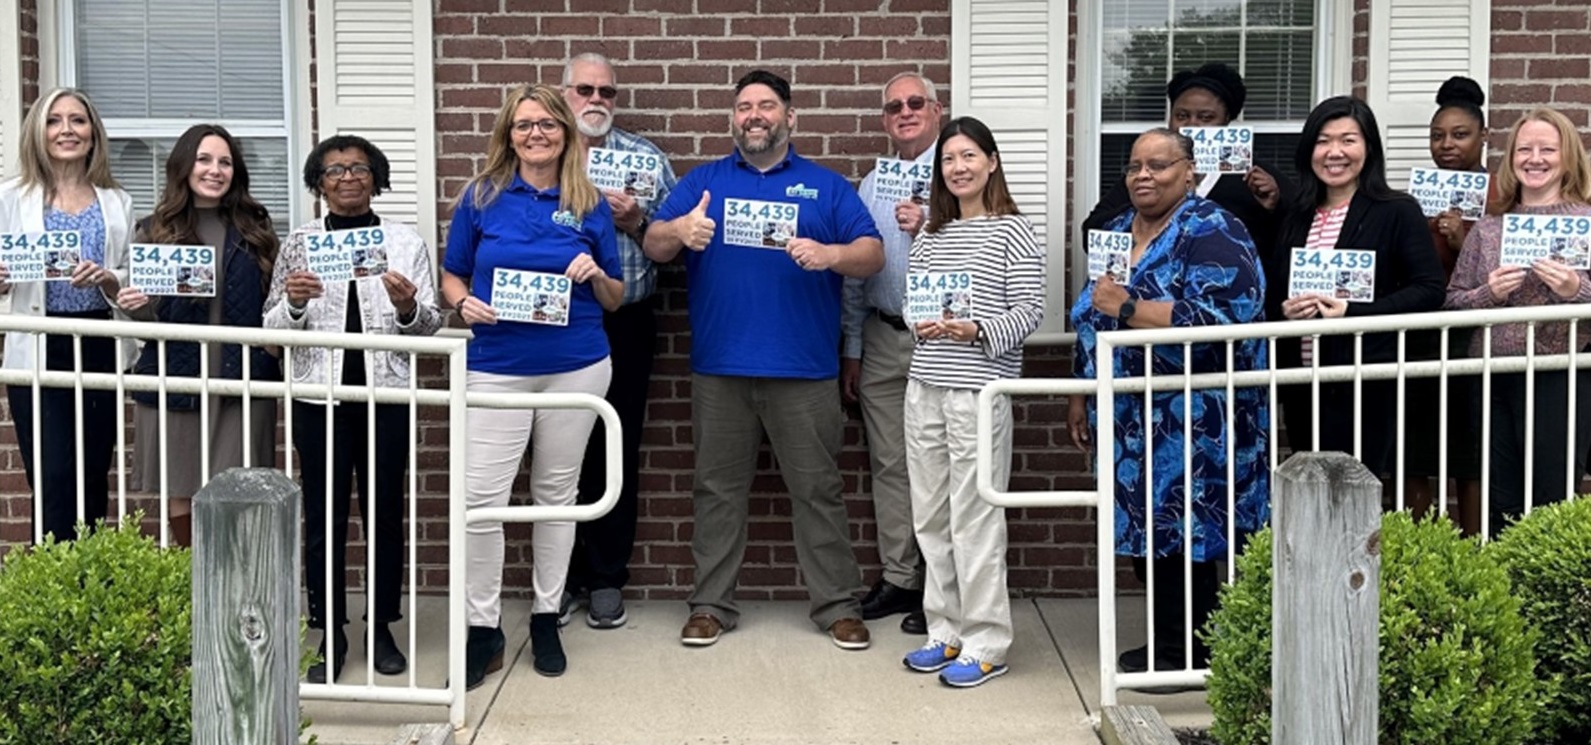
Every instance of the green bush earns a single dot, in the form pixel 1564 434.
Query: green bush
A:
pixel 1457 660
pixel 1548 557
pixel 95 638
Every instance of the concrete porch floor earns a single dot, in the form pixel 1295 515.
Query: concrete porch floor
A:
pixel 775 679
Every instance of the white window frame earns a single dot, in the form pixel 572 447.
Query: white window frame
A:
pixel 1334 61
pixel 56 20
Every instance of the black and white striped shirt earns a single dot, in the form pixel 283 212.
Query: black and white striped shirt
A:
pixel 1008 274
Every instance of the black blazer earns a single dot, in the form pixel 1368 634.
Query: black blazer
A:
pixel 1409 276
pixel 1231 192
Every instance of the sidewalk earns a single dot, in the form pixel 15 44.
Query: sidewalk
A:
pixel 775 679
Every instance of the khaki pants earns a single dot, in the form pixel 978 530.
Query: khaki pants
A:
pixel 886 359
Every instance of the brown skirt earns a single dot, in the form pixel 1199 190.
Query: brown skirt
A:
pixel 184 471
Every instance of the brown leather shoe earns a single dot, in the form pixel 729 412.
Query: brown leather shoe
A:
pixel 850 633
pixel 702 630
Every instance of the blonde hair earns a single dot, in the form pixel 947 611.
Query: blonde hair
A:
pixel 576 193
pixel 1572 155
pixel 36 171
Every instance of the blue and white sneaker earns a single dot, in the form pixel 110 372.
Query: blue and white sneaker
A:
pixel 969 672
pixel 931 657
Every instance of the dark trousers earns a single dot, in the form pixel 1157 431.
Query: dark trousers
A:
pixel 1169 603
pixel 383 534
pixel 58 417
pixel 1553 425
pixel 1378 414
pixel 602 547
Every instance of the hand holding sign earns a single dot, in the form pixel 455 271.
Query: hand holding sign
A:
pixel 302 287
pixel 473 311
pixel 583 269
pixel 1263 186
pixel 627 213
pixel 909 216
pixel 696 228
pixel 130 299
pixel 1562 280
pixel 400 291
pixel 90 274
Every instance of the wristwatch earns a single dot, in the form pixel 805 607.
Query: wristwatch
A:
pixel 1128 307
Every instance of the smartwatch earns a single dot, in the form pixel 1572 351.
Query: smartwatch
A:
pixel 1128 307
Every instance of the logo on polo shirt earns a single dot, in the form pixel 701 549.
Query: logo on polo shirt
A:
pixel 801 190
pixel 565 218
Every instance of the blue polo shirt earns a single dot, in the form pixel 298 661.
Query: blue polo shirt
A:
pixel 517 231
pixel 754 312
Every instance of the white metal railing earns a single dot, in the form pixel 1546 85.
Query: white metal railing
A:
pixel 1109 384
pixel 454 399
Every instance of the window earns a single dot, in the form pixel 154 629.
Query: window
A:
pixel 1272 43
pixel 156 67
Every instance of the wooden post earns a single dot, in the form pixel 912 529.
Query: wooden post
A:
pixel 245 609
pixel 1325 605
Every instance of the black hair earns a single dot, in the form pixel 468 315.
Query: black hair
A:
pixel 315 164
pixel 1215 77
pixel 780 86
pixel 1464 94
pixel 1372 176
pixel 1183 142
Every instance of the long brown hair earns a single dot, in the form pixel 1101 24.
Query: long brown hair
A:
pixel 944 207
pixel 576 193
pixel 1576 185
pixel 35 161
pixel 176 220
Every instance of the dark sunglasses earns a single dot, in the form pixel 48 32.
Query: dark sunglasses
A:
pixel 915 103
pixel 607 92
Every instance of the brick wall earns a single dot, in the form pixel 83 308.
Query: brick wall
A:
pixel 1541 55
pixel 29 17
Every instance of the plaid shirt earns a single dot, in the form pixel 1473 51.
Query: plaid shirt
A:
pixel 640 274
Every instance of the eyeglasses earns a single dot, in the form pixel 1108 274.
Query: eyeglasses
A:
pixel 357 170
pixel 915 103
pixel 547 126
pixel 1156 167
pixel 607 92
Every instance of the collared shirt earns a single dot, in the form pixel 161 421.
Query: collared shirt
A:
pixel 885 291
pixel 640 274
pixel 754 312
pixel 520 229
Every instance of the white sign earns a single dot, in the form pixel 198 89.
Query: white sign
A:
pixel 938 296
pixel 1344 274
pixel 748 222
pixel 1109 252
pixel 172 270
pixel 531 297
pixel 1440 190
pixel 897 181
pixel 1222 149
pixel 635 174
pixel 1528 238
pixel 41 257
pixel 342 255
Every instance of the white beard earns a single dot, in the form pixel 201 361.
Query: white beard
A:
pixel 594 130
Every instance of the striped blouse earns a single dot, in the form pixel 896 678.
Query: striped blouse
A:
pixel 1007 268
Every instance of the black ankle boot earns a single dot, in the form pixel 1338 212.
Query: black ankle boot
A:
pixel 317 671
pixel 546 648
pixel 389 660
pixel 483 654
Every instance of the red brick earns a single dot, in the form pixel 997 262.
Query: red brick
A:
pixel 490 98
pixel 1521 43
pixel 509 73
pixel 806 26
pixel 537 49
pixel 759 26
pixel 1556 20
pixel 472 47
pixel 1578 93
pixel 638 74
pixel 451 25
pixel 892 26
pixel 920 6
pixel 631 26
pixel 815 75
pixel 530 6
pixel 1521 94
pixel 697 74
pixel 474 6
pixel 846 7
pixel 668 49
pixel 1572 44
pixel 703 7
pixel 846 50
pixel 923 49
pixel 509 25
pixel 691 26
pixel 569 26
pixel 869 100
pixel 1578 69
pixel 1507 68
pixel 733 49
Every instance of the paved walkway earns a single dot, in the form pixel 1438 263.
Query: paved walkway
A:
pixel 774 680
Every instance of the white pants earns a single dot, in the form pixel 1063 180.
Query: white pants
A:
pixel 497 440
pixel 962 537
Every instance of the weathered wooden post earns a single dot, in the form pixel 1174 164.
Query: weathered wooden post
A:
pixel 245 609
pixel 1325 605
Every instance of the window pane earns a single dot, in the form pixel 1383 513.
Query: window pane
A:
pixel 184 59
pixel 1275 90
pixel 1274 150
pixel 140 166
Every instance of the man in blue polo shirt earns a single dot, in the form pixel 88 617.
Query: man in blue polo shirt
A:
pixel 771 237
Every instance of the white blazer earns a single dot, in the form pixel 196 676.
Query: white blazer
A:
pixel 22 210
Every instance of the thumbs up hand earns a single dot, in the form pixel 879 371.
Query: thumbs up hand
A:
pixel 696 227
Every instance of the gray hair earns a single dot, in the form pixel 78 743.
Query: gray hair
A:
pixel 1183 142
pixel 928 85
pixel 592 57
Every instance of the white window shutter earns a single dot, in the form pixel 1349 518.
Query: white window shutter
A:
pixel 375 81
pixel 10 91
pixel 1415 46
pixel 1008 69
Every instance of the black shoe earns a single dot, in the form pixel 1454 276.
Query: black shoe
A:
pixel 1136 660
pixel 914 623
pixel 317 671
pixel 483 655
pixel 546 649
pixel 887 600
pixel 388 658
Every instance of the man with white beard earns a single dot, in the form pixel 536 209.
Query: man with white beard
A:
pixel 635 177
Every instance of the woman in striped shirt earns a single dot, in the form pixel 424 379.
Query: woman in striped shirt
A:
pixel 975 291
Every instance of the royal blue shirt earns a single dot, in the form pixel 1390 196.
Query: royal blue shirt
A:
pixel 754 312
pixel 518 230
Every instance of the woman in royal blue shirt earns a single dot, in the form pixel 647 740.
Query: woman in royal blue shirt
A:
pixel 531 263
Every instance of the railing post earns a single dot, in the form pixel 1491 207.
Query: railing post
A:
pixel 245 609
pixel 1325 606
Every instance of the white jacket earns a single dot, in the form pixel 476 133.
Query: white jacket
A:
pixel 22 210
pixel 406 254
